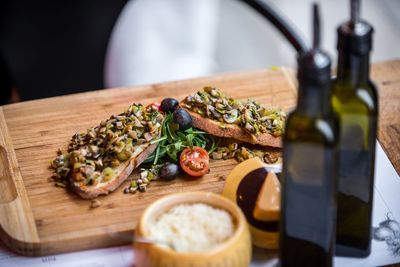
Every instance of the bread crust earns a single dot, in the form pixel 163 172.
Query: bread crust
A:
pixel 233 131
pixel 124 170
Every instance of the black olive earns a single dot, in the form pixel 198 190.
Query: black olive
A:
pixel 169 104
pixel 182 118
pixel 169 171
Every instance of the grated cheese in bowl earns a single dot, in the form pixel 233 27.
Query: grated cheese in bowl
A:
pixel 192 227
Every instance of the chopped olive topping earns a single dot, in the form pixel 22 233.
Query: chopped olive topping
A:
pixel 241 153
pixel 141 183
pixel 98 151
pixel 249 115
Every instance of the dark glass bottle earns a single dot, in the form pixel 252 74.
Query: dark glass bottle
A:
pixel 308 213
pixel 355 101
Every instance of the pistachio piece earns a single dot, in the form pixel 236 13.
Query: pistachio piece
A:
pixel 110 134
pixel 209 110
pixel 95 178
pixel 216 155
pixel 133 189
pixel 108 174
pixel 137 123
pixel 151 176
pixel 215 93
pixel 133 135
pixel 119 125
pixel 99 163
pixel 208 89
pixel 215 113
pixel 91 134
pixel 233 146
pixel 142 188
pixel 78 177
pixel 120 117
pixel 83 151
pixel 220 106
pixel 144 174
pixel 124 155
pixel 249 127
pixel 63 172
pixel 88 170
pixel 231 116
pixel 197 98
pixel 115 163
pixel 94 149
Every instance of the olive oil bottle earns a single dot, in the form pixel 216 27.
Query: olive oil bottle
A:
pixel 354 100
pixel 308 213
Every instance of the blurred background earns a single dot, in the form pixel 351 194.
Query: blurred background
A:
pixel 50 48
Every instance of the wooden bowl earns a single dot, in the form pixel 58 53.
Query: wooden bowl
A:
pixel 235 252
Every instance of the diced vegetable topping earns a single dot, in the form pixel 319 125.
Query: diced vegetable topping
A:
pixel 249 115
pixel 101 149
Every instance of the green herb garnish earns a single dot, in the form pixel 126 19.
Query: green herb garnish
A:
pixel 173 141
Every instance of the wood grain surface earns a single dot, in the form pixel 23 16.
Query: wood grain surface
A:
pixel 62 220
pixel 38 218
pixel 386 76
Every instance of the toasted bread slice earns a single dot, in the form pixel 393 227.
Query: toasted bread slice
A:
pixel 104 186
pixel 248 121
pixel 222 129
pixel 101 158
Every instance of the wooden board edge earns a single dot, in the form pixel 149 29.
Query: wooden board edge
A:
pixel 17 226
pixel 47 248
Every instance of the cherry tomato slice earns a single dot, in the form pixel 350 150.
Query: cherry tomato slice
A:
pixel 195 161
pixel 154 105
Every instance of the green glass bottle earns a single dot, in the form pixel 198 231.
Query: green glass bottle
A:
pixel 354 100
pixel 308 213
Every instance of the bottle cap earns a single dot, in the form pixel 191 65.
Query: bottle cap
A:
pixel 355 35
pixel 314 66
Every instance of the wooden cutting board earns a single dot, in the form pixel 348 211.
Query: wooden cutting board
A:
pixel 38 218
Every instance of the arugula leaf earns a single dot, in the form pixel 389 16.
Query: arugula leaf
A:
pixel 173 141
pixel 157 154
pixel 181 135
pixel 178 146
pixel 171 132
pixel 189 140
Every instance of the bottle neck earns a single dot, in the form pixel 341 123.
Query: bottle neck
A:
pixel 314 101
pixel 353 68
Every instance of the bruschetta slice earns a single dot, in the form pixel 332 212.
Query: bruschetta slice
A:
pixel 247 121
pixel 103 157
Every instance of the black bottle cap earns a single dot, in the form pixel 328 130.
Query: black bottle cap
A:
pixel 314 66
pixel 355 35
